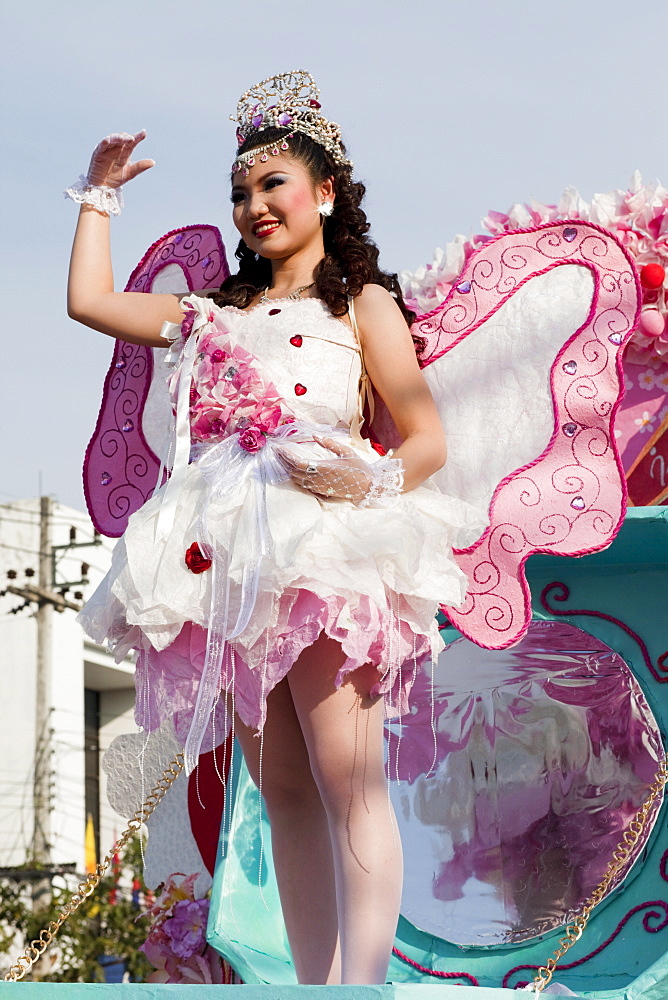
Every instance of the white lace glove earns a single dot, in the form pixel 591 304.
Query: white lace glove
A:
pixel 347 476
pixel 109 169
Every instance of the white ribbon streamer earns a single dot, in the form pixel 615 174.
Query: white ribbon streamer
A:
pixel 165 521
pixel 225 466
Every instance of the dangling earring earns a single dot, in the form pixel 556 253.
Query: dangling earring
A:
pixel 325 208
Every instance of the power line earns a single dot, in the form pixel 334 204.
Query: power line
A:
pixel 19 548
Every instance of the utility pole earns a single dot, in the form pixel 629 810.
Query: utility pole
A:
pixel 49 594
pixel 41 840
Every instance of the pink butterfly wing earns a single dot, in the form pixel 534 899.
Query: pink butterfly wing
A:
pixel 120 469
pixel 570 499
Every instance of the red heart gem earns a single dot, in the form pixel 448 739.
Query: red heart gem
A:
pixel 296 341
pixel 300 389
pixel 274 312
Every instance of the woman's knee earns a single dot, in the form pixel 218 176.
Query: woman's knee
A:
pixel 286 785
pixel 290 793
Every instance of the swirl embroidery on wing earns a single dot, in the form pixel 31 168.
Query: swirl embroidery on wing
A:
pixel 120 469
pixel 570 499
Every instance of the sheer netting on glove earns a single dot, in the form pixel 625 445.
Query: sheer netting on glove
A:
pixel 346 476
pixel 109 169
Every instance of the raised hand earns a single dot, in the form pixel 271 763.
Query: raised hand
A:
pixel 110 167
pixel 110 164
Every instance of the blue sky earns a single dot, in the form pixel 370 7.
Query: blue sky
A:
pixel 448 109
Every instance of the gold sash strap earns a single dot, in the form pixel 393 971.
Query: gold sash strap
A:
pixel 365 394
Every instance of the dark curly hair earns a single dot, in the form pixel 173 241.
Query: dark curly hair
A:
pixel 351 256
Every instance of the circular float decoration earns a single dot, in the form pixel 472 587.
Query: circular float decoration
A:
pixel 513 800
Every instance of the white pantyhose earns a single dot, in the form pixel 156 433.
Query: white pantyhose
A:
pixel 336 848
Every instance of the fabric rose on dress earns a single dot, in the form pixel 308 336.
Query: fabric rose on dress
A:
pixel 196 560
pixel 228 391
pixel 187 323
pixel 252 439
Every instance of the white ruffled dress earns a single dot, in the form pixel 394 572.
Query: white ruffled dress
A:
pixel 270 566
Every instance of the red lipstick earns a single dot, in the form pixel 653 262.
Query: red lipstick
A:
pixel 265 228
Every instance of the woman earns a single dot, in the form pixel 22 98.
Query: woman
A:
pixel 313 567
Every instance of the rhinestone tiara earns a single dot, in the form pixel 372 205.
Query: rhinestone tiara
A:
pixel 290 100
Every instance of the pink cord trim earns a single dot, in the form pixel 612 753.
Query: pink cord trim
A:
pixel 558 224
pixel 145 463
pixel 563 595
pixel 435 972
pixel 663 866
pixel 663 863
pixel 497 614
pixel 596 951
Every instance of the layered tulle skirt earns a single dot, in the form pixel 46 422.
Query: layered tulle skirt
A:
pixel 252 571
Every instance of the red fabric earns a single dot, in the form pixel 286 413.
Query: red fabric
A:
pixel 206 800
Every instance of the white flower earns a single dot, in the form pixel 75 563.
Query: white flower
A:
pixel 647 379
pixel 429 285
pixel 519 217
pixel 644 423
pixel 572 205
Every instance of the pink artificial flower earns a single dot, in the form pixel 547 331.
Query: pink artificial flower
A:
pixel 171 891
pixel 252 439
pixel 187 323
pixel 228 391
pixel 176 945
pixel 205 969
pixel 157 949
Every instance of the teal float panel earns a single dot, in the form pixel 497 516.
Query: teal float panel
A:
pixel 150 991
pixel 627 938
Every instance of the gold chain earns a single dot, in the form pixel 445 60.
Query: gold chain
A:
pixel 573 932
pixel 37 947
pixel 621 855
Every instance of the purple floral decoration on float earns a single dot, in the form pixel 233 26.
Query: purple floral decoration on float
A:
pixel 186 929
pixel 176 943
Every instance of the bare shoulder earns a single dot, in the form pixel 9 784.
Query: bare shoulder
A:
pixel 375 308
pixel 379 316
pixel 374 297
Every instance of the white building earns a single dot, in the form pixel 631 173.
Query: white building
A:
pixel 89 697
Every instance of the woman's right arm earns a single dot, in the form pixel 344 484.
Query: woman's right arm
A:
pixel 135 317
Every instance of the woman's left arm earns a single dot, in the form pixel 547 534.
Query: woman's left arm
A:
pixel 389 356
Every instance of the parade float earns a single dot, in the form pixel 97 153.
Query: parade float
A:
pixel 528 778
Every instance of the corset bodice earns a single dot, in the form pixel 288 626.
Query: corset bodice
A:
pixel 311 357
